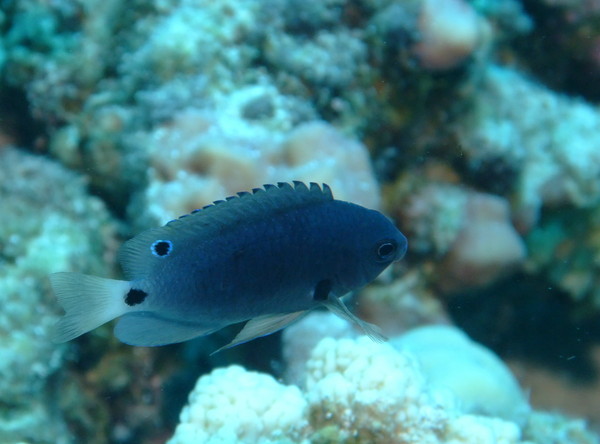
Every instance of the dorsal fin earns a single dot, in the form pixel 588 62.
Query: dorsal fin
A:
pixel 136 256
pixel 280 196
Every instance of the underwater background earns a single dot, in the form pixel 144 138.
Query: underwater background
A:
pixel 473 124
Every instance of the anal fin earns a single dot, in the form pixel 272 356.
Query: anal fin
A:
pixel 146 329
pixel 262 326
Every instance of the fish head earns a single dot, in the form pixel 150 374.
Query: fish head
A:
pixel 375 243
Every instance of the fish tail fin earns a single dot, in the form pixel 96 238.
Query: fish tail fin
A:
pixel 88 301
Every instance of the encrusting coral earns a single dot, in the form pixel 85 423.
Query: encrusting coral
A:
pixel 479 380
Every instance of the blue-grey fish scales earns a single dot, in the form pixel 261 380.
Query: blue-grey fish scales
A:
pixel 266 257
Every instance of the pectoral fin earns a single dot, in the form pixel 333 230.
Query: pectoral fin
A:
pixel 335 305
pixel 262 326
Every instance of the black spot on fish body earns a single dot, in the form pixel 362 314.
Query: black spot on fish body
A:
pixel 161 248
pixel 322 290
pixel 135 297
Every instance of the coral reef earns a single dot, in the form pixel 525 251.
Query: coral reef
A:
pixel 203 54
pixel 434 215
pixel 402 303
pixel 345 383
pixel 49 224
pixel 258 409
pixel 564 247
pixel 449 32
pixel 456 109
pixel 472 373
pixel 580 400
pixel 360 392
pixel 553 145
pixel 569 28
pixel 201 150
pixel 299 340
pixel 487 246
pixel 553 150
pixel 471 232
pixel 551 427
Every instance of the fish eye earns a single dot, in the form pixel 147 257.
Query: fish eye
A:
pixel 386 250
pixel 161 248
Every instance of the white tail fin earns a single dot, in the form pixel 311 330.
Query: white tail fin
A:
pixel 89 302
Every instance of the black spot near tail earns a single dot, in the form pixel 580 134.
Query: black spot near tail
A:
pixel 135 297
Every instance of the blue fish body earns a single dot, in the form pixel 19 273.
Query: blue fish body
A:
pixel 265 257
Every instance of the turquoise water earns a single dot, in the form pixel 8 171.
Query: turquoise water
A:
pixel 473 125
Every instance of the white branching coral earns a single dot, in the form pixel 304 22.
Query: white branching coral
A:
pixel 233 405
pixel 362 392
pixel 357 392
pixel 371 393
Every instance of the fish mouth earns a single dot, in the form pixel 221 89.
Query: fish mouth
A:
pixel 402 251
